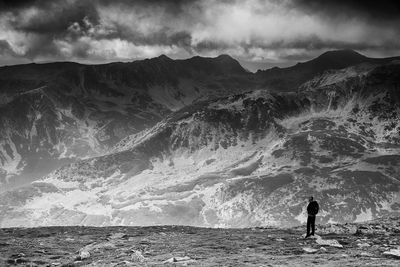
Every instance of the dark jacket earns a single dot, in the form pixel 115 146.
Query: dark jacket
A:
pixel 313 208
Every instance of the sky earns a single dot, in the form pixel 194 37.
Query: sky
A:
pixel 259 33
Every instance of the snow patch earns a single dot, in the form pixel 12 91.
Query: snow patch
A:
pixel 364 216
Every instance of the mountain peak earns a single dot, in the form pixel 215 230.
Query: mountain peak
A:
pixel 218 65
pixel 163 57
pixel 336 59
pixel 225 57
pixel 345 54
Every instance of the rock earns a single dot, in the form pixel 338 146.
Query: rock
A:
pixel 124 263
pixel 393 252
pixel 322 249
pixel 310 237
pixel 358 232
pixel 363 245
pixel 16 261
pixel 117 236
pixel 138 256
pixel 337 229
pixel 98 246
pixel 185 259
pixel 279 240
pixel 84 254
pixel 310 250
pixel 19 255
pixel 171 260
pixel 330 242
pixel 366 254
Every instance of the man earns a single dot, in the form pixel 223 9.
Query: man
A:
pixel 312 210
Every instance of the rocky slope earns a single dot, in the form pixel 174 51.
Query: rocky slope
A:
pixel 56 113
pixel 52 114
pixel 369 244
pixel 250 159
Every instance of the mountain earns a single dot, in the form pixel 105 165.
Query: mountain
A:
pixel 289 79
pixel 247 159
pixel 56 113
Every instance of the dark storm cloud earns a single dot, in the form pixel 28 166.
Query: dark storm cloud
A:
pixel 55 20
pixel 16 3
pixel 251 30
pixel 383 10
pixel 171 6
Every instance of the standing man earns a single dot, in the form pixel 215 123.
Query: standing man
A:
pixel 312 210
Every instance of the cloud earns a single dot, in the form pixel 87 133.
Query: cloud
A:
pixel 251 30
pixel 5 48
pixel 383 10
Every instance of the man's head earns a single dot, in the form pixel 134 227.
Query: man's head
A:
pixel 311 199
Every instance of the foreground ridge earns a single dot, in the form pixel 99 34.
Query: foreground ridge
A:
pixel 373 243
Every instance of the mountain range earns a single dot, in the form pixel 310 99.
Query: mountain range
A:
pixel 199 142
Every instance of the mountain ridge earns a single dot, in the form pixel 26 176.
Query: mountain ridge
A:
pixel 243 160
pixel 94 106
pixel 290 78
pixel 149 146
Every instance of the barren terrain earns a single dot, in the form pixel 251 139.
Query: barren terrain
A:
pixel 369 244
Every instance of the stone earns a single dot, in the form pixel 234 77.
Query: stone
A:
pixel 393 252
pixel 366 254
pixel 138 256
pixel 310 250
pixel 328 242
pixel 184 259
pixel 117 236
pixel 84 254
pixel 363 245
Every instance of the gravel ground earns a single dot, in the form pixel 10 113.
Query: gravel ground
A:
pixel 190 246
